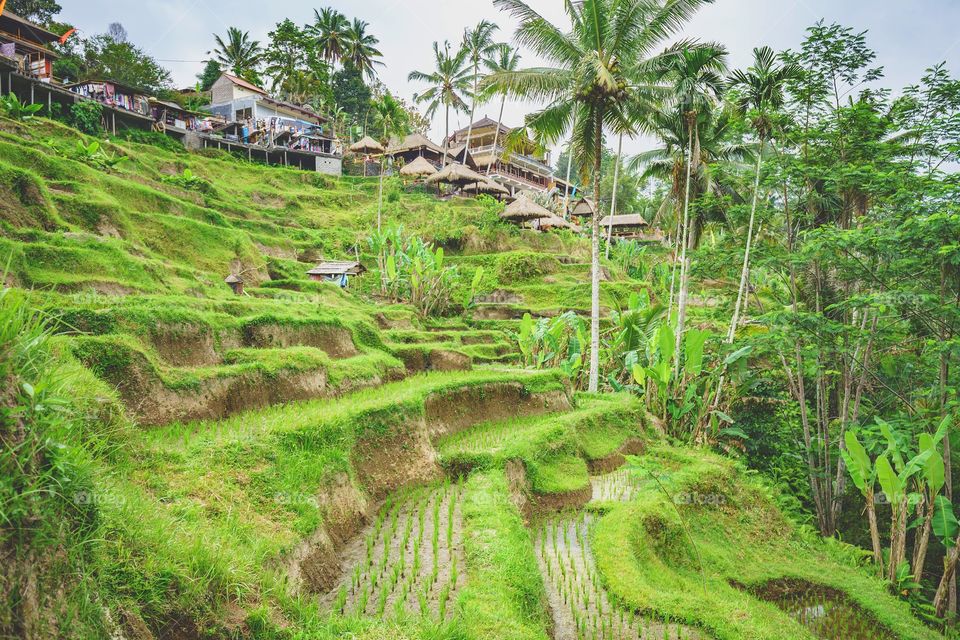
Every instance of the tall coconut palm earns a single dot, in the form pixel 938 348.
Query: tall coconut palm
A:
pixel 479 45
pixel 601 80
pixel 393 120
pixel 504 59
pixel 696 76
pixel 361 49
pixel 761 93
pixel 238 54
pixel 330 28
pixel 448 82
pixel 718 146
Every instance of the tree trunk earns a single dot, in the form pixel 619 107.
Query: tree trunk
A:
pixel 684 255
pixel 745 274
pixel 496 134
pixel 949 570
pixel 923 540
pixel 446 141
pixel 566 195
pixel 874 530
pixel 898 538
pixel 613 203
pixel 380 197
pixel 473 111
pixel 594 384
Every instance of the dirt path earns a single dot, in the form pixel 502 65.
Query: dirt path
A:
pixel 580 605
pixel 410 560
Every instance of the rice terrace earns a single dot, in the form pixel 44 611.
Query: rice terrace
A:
pixel 495 320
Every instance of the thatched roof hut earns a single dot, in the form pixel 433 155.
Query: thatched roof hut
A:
pixel 366 146
pixel 554 222
pixel 583 208
pixel 487 186
pixel 524 209
pixel 420 167
pixel 456 174
pixel 414 142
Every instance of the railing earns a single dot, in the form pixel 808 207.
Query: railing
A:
pixel 516 158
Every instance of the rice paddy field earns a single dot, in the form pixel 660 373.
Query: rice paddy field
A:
pixel 307 462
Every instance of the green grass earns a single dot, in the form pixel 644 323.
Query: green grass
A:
pixel 504 593
pixel 647 560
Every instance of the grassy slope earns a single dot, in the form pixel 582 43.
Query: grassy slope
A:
pixel 646 558
pixel 189 526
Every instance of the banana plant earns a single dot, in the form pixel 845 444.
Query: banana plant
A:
pixel 864 475
pixel 897 476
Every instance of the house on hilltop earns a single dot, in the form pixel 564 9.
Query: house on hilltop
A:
pixel 258 119
pixel 26 45
pixel 525 168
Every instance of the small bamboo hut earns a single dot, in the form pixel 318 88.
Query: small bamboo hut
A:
pixel 366 147
pixel 336 271
pixel 583 208
pixel 235 282
pixel 523 209
pixel 553 222
pixel 627 226
pixel 419 168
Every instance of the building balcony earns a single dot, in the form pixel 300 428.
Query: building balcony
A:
pixel 527 162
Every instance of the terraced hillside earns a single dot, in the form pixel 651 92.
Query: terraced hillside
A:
pixel 306 462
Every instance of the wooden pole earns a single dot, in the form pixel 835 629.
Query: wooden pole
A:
pixel 113 118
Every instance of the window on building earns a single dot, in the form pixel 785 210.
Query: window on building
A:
pixel 244 114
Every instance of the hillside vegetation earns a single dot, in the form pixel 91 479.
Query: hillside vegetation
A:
pixel 307 462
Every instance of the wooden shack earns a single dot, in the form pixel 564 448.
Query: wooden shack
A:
pixel 335 271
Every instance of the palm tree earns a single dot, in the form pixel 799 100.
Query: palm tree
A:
pixel 361 49
pixel 331 28
pixel 696 75
pixel 478 44
pixel 761 93
pixel 393 120
pixel 448 82
pixel 601 79
pixel 504 59
pixel 239 54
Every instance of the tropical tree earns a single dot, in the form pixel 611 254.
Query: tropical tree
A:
pixel 286 55
pixel 239 55
pixel 479 45
pixel 361 49
pixel 761 94
pixel 602 79
pixel 448 82
pixel 331 29
pixel 696 76
pixel 392 119
pixel 503 59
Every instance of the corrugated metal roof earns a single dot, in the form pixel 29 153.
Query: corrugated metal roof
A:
pixel 336 268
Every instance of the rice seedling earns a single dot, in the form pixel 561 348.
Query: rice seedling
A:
pixel 408 560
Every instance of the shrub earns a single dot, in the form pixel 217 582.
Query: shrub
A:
pixel 86 116
pixel 187 180
pixel 154 138
pixel 514 267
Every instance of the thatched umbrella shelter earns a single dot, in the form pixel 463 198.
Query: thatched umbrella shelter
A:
pixel 419 168
pixel 458 175
pixel 367 146
pixel 487 186
pixel 523 209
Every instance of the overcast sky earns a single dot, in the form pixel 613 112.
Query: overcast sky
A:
pixel 909 36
